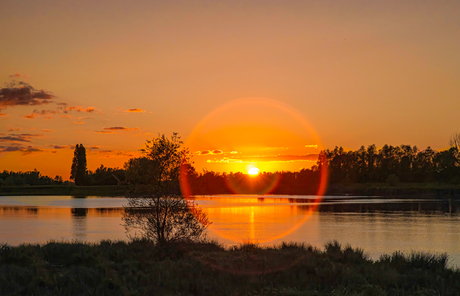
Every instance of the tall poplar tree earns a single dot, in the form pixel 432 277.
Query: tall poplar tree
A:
pixel 78 170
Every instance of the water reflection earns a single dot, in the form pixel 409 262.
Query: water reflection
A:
pixel 20 224
pixel 377 225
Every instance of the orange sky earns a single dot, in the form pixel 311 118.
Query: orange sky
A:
pixel 327 73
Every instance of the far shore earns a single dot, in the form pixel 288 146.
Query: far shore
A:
pixel 401 190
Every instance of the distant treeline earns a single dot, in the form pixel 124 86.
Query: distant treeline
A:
pixel 101 176
pixel 391 164
pixel 34 177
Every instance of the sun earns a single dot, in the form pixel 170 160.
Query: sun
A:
pixel 253 171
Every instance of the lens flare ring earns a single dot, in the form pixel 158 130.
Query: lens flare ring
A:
pixel 208 127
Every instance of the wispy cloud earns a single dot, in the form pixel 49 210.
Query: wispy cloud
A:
pixel 267 158
pixel 210 152
pixel 311 146
pixel 18 137
pixel 47 131
pixel 105 132
pixel 18 75
pixel 47 113
pixel 108 153
pixel 23 94
pixel 19 148
pixel 80 109
pixel 77 122
pixel 14 129
pixel 113 129
pixel 134 110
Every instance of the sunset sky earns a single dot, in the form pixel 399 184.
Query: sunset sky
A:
pixel 264 83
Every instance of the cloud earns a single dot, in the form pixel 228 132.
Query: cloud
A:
pixel 23 94
pixel 267 158
pixel 68 116
pixel 14 129
pixel 47 131
pixel 78 122
pixel 31 150
pixel 3 114
pixel 134 110
pixel 210 152
pixel 311 146
pixel 18 148
pixel 9 148
pixel 107 153
pixel 113 129
pixel 60 146
pixel 18 75
pixel 79 109
pixel 18 137
pixel 105 132
pixel 47 113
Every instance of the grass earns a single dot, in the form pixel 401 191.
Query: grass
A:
pixel 141 268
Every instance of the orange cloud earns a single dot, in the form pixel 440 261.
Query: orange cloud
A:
pixel 48 114
pixel 78 122
pixel 81 109
pixel 134 110
pixel 14 129
pixel 68 116
pixel 3 114
pixel 105 132
pixel 268 158
pixel 47 131
pixel 210 152
pixel 107 153
pixel 18 75
pixel 311 146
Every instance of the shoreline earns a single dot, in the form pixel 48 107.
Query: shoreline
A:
pixel 409 190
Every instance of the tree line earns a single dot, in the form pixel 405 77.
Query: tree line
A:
pixel 403 163
pixel 389 164
pixel 10 178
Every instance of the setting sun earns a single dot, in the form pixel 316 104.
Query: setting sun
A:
pixel 253 171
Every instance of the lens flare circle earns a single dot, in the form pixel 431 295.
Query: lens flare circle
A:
pixel 233 134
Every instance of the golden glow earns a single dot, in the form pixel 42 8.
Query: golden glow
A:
pixel 242 218
pixel 253 171
pixel 253 130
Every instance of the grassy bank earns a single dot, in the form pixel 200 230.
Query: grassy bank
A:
pixel 141 268
pixel 107 190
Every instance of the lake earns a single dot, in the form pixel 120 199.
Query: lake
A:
pixel 377 225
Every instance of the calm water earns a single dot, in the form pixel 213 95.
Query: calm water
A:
pixel 378 226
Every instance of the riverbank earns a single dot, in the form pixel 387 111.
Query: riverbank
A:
pixel 141 268
pixel 107 190
pixel 401 190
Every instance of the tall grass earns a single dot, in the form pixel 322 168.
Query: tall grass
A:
pixel 140 267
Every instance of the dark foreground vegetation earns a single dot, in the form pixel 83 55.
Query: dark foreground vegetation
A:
pixel 142 268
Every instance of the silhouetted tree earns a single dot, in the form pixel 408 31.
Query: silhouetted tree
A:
pixel 156 210
pixel 454 140
pixel 78 170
